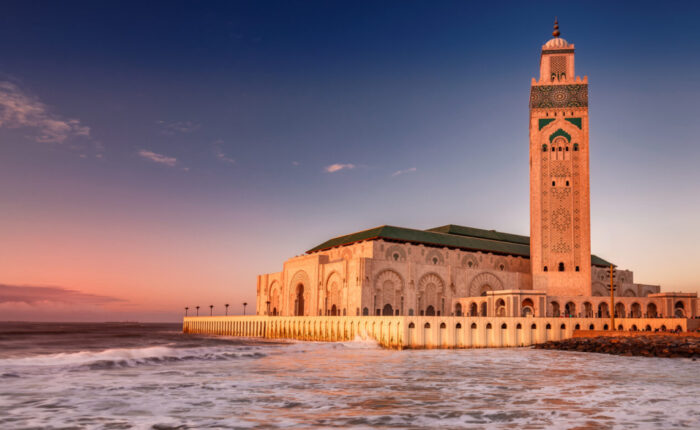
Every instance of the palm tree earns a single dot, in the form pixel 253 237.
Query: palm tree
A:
pixel 226 309
pixel 244 305
pixel 197 310
pixel 186 309
pixel 211 310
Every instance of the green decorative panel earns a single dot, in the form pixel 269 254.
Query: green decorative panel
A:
pixel 574 121
pixel 545 121
pixel 558 133
pixel 558 96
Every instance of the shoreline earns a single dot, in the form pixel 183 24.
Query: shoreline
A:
pixel 667 345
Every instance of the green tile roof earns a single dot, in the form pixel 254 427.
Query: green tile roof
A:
pixel 451 236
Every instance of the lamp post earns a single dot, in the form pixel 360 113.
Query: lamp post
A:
pixel 211 310
pixel 226 309
pixel 186 309
pixel 197 310
pixel 244 305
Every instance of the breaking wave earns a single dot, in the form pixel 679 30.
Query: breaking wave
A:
pixel 131 357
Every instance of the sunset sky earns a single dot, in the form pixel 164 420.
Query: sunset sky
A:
pixel 160 155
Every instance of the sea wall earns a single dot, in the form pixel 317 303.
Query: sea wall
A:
pixel 402 332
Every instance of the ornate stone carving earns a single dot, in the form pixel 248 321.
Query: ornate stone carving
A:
pixel 558 96
pixel 482 282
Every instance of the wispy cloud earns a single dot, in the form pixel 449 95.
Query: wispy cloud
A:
pixel 157 158
pixel 20 110
pixel 33 295
pixel 295 163
pixel 174 127
pixel 338 167
pixel 220 153
pixel 401 172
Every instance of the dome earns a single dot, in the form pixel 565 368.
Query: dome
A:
pixel 555 43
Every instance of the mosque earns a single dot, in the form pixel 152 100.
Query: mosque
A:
pixel 458 271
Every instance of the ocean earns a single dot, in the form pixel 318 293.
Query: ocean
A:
pixel 151 376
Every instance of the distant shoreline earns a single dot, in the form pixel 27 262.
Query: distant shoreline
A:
pixel 684 345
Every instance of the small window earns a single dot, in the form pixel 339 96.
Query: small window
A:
pixel 554 183
pixel 561 267
pixel 502 267
pixel 567 149
pixel 396 256
pixel 577 269
pixel 470 264
pixel 545 268
pixel 435 260
pixel 567 183
pixel 553 149
pixel 560 148
pixel 575 146
pixel 544 147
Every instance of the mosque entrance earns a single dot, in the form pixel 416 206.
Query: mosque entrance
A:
pixel 334 311
pixel 430 311
pixel 299 302
pixel 388 310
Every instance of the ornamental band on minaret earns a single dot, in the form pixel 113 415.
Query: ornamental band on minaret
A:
pixel 560 240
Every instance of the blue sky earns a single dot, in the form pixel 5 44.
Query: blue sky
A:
pixel 172 144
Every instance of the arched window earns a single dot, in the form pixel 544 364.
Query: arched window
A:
pixel 575 146
pixel 567 182
pixel 554 183
pixel 411 325
pixel 365 311
pixel 545 268
pixel 544 147
pixel 561 267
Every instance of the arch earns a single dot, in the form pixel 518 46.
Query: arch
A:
pixel 469 261
pixel 519 326
pixel 389 289
pixel 274 298
pixel 635 310
pixel 570 309
pixel 679 328
pixel 434 257
pixel 563 327
pixel 619 310
pixel 299 307
pixel 620 328
pixel 427 325
pixel 395 253
pixel 331 298
pixel 504 326
pixel 411 325
pixel 679 313
pixel 488 326
pixel 651 310
pixel 633 328
pixel 647 328
pixel 500 308
pixel 527 307
pixel 430 311
pixel 605 327
pixel 549 326
pixel 554 306
pixel 591 327
pixel 587 310
pixel 663 327
pixel 365 311
pixel 458 326
pixel 387 310
pixel 431 293
pixel 458 309
pixel 577 327
pixel 473 326
pixel 629 292
pixel 603 311
pixel 483 282
pixel 483 310
pixel 443 325
pixel 533 327
pixel 473 311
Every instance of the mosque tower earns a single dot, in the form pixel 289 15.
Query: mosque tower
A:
pixel 560 227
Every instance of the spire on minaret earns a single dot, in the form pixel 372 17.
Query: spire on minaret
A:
pixel 556 32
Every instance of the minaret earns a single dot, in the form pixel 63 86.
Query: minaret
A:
pixel 560 227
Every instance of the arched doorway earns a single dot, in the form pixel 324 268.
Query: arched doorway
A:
pixel 299 301
pixel 528 308
pixel 334 310
pixel 388 310
pixel 430 311
pixel 570 309
pixel 472 310
pixel 587 310
pixel 679 310
pixel 555 309
pixel 603 311
pixel 500 308
pixel 458 309
pixel 483 309
pixel 636 311
pixel 651 310
pixel 620 310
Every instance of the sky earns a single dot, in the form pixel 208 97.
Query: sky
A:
pixel 157 155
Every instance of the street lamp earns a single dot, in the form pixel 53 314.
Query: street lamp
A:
pixel 186 309
pixel 244 305
pixel 226 309
pixel 211 310
pixel 197 310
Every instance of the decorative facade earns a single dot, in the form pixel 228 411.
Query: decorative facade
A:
pixel 462 271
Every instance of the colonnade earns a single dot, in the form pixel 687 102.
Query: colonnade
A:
pixel 402 332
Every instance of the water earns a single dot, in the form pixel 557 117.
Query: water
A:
pixel 150 376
